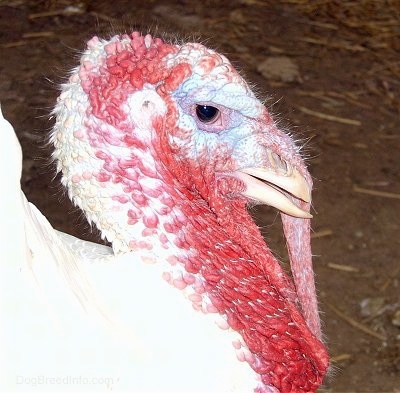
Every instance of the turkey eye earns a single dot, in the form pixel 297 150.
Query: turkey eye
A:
pixel 207 113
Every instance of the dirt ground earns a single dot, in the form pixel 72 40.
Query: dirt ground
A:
pixel 331 73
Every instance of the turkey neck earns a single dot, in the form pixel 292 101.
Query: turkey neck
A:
pixel 219 259
pixel 194 223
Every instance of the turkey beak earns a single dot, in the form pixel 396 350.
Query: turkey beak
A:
pixel 277 187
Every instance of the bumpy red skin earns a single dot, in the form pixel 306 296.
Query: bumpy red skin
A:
pixel 221 242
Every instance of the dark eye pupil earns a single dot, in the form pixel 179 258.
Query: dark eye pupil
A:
pixel 206 113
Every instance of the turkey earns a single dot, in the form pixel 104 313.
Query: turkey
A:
pixel 163 146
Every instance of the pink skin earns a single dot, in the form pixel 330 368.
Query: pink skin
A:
pixel 201 203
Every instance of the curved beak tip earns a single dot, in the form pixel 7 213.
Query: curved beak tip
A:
pixel 271 188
